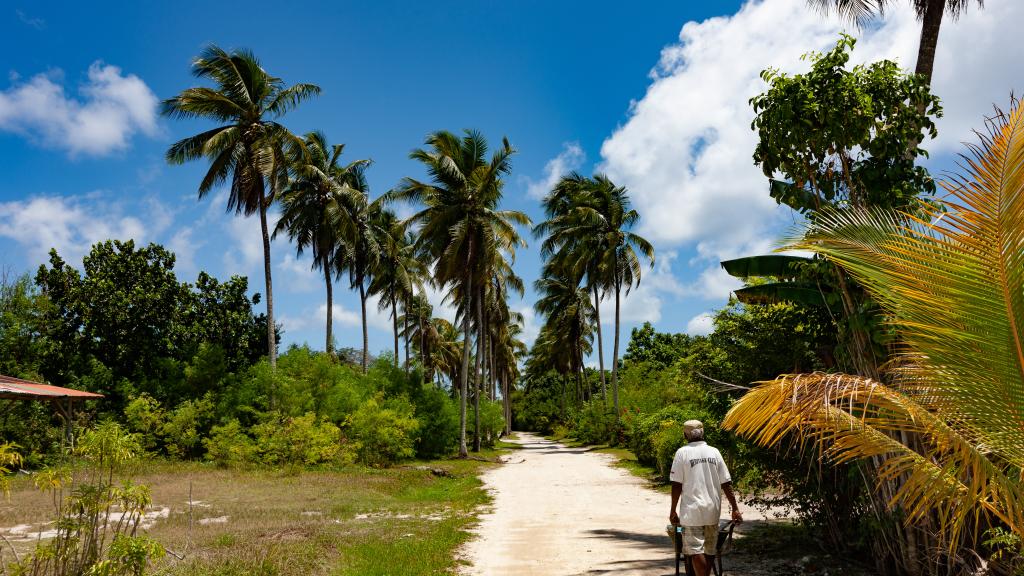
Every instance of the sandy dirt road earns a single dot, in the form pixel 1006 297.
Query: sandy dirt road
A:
pixel 561 511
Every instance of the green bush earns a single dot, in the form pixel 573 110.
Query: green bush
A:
pixel 492 423
pixel 185 427
pixel 438 415
pixel 229 445
pixel 654 438
pixel 302 440
pixel 145 417
pixel 383 431
pixel 594 423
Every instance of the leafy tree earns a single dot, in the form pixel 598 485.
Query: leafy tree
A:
pixel 460 223
pixel 23 312
pixel 930 13
pixel 657 348
pixel 944 429
pixel 844 137
pixel 220 314
pixel 839 138
pixel 248 146
pixel 126 304
pixel 313 210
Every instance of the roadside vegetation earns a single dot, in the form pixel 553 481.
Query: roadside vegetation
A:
pixel 871 383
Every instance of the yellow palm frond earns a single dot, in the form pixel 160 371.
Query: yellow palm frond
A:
pixel 857 418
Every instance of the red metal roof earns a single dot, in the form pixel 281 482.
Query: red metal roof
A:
pixel 18 388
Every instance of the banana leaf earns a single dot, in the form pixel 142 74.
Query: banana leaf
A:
pixel 777 265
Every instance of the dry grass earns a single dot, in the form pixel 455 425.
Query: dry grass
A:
pixel 354 521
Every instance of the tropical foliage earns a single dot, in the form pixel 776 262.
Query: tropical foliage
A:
pixel 950 283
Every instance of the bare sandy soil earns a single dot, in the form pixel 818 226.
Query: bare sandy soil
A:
pixel 561 511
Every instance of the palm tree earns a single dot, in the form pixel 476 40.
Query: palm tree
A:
pixel 930 13
pixel 397 272
pixel 460 222
pixel 951 283
pixel 590 233
pixel 570 318
pixel 360 253
pixel 574 251
pixel 312 211
pixel 247 147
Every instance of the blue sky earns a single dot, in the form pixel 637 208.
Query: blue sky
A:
pixel 654 94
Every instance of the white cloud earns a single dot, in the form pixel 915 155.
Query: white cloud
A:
pixel 685 151
pixel 642 304
pixel 184 245
pixel 701 325
pixel 245 254
pixel 570 158
pixel 112 107
pixel 531 324
pixel 69 224
pixel 714 283
pixel 297 275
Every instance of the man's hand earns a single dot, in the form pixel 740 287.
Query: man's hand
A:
pixel 736 516
pixel 674 518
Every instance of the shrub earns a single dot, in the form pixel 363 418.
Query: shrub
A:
pixel 89 539
pixel 302 440
pixel 654 438
pixel 383 431
pixel 145 417
pixel 229 445
pixel 438 434
pixel 492 423
pixel 185 427
pixel 594 423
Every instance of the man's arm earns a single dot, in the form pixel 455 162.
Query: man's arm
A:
pixel 727 488
pixel 677 491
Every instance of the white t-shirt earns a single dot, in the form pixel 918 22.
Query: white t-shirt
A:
pixel 701 471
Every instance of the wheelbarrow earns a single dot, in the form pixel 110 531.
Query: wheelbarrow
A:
pixel 722 548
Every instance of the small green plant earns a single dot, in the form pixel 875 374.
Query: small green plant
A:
pixel 97 519
pixel 9 457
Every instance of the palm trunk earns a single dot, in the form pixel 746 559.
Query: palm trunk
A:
pixel 405 321
pixel 394 323
pixel 506 389
pixel 931 21
pixel 477 384
pixel 330 309
pixel 615 358
pixel 464 376
pixel 600 346
pixel 366 336
pixel 271 332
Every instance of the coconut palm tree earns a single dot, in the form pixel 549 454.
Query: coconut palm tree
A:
pixel 575 251
pixel 570 318
pixel 312 211
pixel 930 12
pixel 460 223
pixel 591 234
pixel 248 145
pixel 951 282
pixel 397 272
pixel 360 252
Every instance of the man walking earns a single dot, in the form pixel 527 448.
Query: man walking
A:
pixel 699 477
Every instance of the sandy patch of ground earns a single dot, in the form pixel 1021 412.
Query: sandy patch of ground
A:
pixel 561 511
